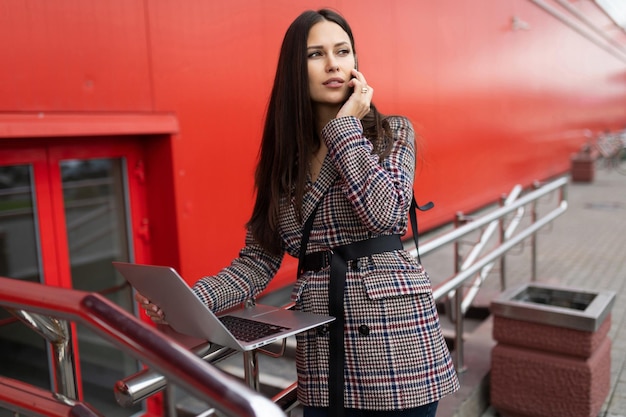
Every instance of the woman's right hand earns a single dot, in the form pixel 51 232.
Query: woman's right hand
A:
pixel 359 102
pixel 152 310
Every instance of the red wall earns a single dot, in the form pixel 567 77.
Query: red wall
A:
pixel 494 106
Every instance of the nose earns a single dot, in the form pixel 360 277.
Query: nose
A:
pixel 331 64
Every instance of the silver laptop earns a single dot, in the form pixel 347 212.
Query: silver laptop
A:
pixel 242 329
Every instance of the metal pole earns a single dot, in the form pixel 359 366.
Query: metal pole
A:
pixel 57 332
pixel 251 369
pixel 251 361
pixel 458 343
pixel 457 312
pixel 533 239
pixel 458 221
pixel 502 230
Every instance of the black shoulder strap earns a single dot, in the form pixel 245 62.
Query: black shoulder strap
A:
pixel 306 231
pixel 413 218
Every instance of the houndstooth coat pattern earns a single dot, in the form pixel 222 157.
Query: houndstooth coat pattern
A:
pixel 395 354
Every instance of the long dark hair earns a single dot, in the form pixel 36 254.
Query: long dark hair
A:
pixel 290 137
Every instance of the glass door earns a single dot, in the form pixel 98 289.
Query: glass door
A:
pixel 96 223
pixel 23 351
pixel 66 212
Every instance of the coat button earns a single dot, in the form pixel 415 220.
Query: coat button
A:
pixel 364 330
pixel 356 265
pixel 322 330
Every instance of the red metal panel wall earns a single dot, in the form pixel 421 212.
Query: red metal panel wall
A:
pixel 74 56
pixel 494 106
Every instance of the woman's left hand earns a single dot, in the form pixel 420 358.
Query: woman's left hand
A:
pixel 358 104
pixel 152 310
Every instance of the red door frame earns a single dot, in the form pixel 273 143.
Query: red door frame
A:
pixel 44 155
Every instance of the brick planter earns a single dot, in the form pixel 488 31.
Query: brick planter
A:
pixel 553 353
pixel 583 166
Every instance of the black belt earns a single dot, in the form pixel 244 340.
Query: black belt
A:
pixel 338 258
pixel 315 261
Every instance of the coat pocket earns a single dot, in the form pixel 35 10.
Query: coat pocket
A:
pixel 386 283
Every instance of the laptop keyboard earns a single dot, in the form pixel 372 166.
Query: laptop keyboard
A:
pixel 249 330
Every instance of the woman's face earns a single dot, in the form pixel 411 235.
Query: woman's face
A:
pixel 330 61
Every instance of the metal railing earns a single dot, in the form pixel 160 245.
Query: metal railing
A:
pixel 27 399
pixel 477 267
pixel 47 310
pixel 191 369
pixel 473 269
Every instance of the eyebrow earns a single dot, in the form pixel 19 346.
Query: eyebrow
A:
pixel 322 47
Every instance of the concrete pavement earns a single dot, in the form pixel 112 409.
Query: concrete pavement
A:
pixel 583 248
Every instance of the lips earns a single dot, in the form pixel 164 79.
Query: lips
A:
pixel 334 82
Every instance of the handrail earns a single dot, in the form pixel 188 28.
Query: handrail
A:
pixel 484 272
pixel 454 284
pixel 145 343
pixel 25 398
pixel 456 281
pixel 131 393
pixel 474 254
pixel 140 339
pixel 57 333
pixel 462 231
pixel 147 382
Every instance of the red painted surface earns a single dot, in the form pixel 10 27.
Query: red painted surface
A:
pixel 493 106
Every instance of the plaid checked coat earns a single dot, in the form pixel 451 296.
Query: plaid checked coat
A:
pixel 395 354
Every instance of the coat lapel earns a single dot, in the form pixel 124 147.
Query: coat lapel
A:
pixel 318 189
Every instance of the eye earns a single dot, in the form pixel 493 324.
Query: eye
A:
pixel 343 52
pixel 314 54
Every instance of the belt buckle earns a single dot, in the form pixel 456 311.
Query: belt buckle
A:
pixel 328 255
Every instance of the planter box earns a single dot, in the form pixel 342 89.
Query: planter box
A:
pixel 553 354
pixel 583 166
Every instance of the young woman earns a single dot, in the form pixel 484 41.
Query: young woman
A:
pixel 328 155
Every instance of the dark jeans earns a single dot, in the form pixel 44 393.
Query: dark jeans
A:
pixel 428 410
